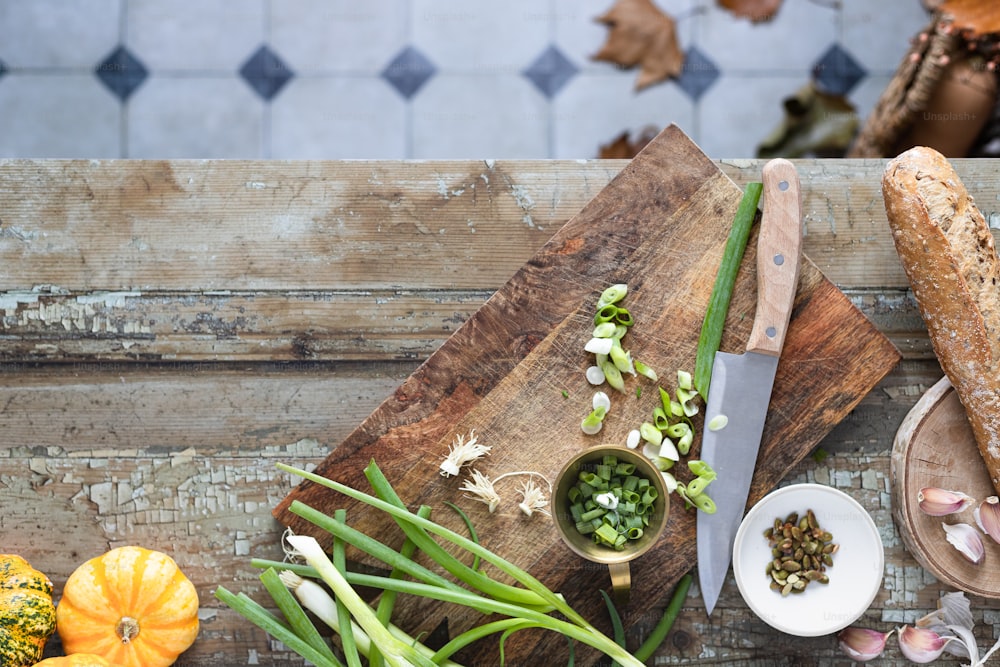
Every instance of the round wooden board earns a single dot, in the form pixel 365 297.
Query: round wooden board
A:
pixel 934 446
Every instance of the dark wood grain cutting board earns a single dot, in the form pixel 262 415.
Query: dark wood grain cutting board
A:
pixel 659 226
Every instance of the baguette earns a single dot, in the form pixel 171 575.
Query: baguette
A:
pixel 950 259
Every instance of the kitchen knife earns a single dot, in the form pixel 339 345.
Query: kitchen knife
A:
pixel 741 383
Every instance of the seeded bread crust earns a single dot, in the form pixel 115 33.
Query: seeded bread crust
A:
pixel 950 259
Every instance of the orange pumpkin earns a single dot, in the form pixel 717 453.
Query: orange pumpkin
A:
pixel 131 606
pixel 76 660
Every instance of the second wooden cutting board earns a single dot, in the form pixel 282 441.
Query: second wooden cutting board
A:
pixel 514 372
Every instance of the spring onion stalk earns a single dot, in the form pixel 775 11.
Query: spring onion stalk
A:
pixel 468 524
pixel 469 636
pixel 369 545
pixel 583 632
pixel 293 612
pixel 317 600
pixel 417 528
pixel 537 594
pixel 269 623
pixel 393 651
pixel 722 291
pixel 387 601
pixel 347 642
pixel 616 622
pixel 662 628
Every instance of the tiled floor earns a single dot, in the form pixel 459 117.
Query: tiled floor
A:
pixel 415 79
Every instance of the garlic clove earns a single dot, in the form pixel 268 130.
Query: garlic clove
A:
pixel 920 644
pixel 862 644
pixel 940 502
pixel 966 539
pixel 988 517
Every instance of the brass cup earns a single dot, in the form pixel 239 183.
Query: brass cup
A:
pixel 583 545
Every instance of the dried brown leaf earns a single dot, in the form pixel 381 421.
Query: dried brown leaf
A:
pixel 979 17
pixel 639 34
pixel 622 147
pixel 757 11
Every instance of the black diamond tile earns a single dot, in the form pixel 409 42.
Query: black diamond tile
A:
pixel 266 73
pixel 550 71
pixel 121 72
pixel 698 75
pixel 408 71
pixel 836 72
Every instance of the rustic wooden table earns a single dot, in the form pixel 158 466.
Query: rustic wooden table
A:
pixel 173 329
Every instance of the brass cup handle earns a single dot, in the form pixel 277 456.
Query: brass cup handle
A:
pixel 621 581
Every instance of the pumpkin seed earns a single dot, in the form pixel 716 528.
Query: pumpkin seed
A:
pixel 800 552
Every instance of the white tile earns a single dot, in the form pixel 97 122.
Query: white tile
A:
pixel 215 35
pixel 739 112
pixel 194 117
pixel 458 116
pixel 58 116
pixel 317 36
pixel 480 37
pixel 327 118
pixel 580 36
pixel 790 42
pixel 878 34
pixel 56 33
pixel 593 110
pixel 577 33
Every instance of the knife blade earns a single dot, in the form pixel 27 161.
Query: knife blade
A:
pixel 741 383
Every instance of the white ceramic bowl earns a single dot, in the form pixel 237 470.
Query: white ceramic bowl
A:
pixel 855 576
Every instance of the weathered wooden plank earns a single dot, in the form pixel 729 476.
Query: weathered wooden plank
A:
pixel 192 226
pixel 97 259
pixel 330 325
pixel 196 226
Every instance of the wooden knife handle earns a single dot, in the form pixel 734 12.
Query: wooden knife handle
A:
pixel 779 250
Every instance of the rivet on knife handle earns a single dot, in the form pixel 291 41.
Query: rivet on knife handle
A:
pixel 779 247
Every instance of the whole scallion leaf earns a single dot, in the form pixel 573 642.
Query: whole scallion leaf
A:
pixel 722 291
pixel 572 624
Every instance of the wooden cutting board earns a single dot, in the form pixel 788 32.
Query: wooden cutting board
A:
pixel 660 226
pixel 935 446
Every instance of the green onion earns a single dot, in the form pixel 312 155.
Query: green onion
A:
pixel 296 616
pixel 392 649
pixel 618 630
pixel 618 511
pixel 273 626
pixel 347 642
pixel 468 524
pixel 722 291
pixel 535 599
pixel 662 628
pixel 316 599
pixel 644 370
pixel 612 294
pixel 506 625
pixel 527 602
